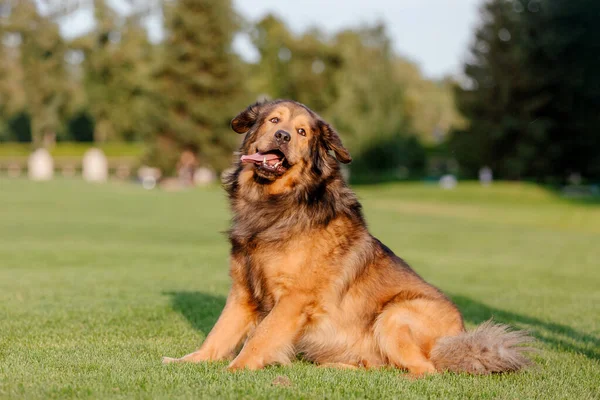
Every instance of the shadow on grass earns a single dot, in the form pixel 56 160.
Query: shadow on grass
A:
pixel 200 309
pixel 203 309
pixel 558 336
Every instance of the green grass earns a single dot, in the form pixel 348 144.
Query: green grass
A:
pixel 97 282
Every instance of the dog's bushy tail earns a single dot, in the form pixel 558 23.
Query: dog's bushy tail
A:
pixel 489 348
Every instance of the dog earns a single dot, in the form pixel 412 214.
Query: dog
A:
pixel 309 279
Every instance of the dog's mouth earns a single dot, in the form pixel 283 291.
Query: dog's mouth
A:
pixel 272 161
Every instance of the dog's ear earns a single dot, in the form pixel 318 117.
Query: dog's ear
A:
pixel 334 143
pixel 244 120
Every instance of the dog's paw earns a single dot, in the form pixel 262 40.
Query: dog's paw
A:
pixel 169 360
pixel 420 373
pixel 235 366
pixel 238 364
pixel 337 366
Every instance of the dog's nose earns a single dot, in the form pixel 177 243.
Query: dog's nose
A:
pixel 282 137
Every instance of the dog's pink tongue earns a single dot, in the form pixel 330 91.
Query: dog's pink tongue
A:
pixel 259 157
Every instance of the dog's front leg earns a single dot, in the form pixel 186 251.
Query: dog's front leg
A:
pixel 273 339
pixel 236 320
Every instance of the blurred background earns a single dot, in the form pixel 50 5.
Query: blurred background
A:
pixel 419 90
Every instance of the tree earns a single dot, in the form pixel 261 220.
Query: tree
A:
pixel 563 46
pixel 99 70
pixel 199 85
pixel 500 133
pixel 533 91
pixel 301 68
pixel 42 56
pixel 12 94
pixel 429 105
pixel 118 58
pixel 370 96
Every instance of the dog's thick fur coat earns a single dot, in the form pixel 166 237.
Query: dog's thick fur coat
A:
pixel 308 278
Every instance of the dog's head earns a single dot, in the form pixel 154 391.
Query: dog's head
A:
pixel 286 139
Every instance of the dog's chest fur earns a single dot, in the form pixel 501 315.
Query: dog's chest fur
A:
pixel 304 263
pixel 319 264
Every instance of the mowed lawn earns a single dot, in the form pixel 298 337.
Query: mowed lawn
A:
pixel 97 282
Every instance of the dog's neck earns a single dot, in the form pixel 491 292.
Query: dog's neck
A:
pixel 257 214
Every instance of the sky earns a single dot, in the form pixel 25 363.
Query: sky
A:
pixel 435 34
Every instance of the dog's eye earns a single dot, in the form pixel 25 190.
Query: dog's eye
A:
pixel 274 120
pixel 302 132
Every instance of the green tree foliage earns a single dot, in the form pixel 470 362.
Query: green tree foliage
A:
pixel 370 104
pixel 42 52
pixel 118 61
pixel 199 85
pixel 499 133
pixel 533 94
pixel 12 94
pixel 302 68
pixel 429 105
pixel 564 52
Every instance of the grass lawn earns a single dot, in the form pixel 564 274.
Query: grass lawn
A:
pixel 97 282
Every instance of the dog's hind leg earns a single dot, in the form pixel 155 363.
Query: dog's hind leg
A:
pixel 406 331
pixel 398 345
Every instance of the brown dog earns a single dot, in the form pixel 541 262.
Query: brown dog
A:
pixel 309 278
